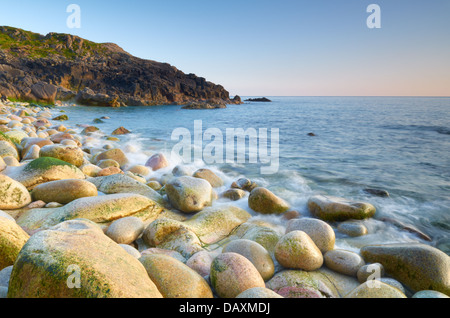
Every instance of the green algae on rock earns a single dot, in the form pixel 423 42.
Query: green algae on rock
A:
pixel 12 239
pixel 77 252
pixel 264 201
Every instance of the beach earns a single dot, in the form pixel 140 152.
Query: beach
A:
pixel 95 204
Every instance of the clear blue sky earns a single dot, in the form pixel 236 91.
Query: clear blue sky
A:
pixel 268 48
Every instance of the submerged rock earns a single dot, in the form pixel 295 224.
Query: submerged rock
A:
pixel 44 266
pixel 330 208
pixel 263 201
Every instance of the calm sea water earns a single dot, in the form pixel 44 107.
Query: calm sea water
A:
pixel 401 145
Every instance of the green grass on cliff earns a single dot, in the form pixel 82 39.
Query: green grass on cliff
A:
pixel 21 43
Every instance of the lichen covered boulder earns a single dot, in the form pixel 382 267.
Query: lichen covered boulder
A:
pixel 64 191
pixel 77 254
pixel 418 266
pixel 13 194
pixel 43 170
pixel 264 201
pixel 12 239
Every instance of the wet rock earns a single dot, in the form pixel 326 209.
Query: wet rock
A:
pixel 244 184
pixel 139 169
pixel 211 177
pixel 107 270
pixel 329 208
pixel 114 154
pixel 297 250
pixel 344 262
pixel 429 294
pixel 234 194
pixel 352 229
pixel 174 279
pixel 263 201
pixel 373 271
pixel 377 192
pixel 157 162
pixel 418 266
pixel 121 131
pixel 189 194
pixel 232 274
pixel 319 231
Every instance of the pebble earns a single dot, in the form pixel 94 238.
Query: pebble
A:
pixel 344 262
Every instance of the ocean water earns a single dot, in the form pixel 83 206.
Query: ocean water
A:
pixel 401 145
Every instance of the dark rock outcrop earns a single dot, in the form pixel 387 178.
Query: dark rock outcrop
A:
pixel 262 99
pixel 64 67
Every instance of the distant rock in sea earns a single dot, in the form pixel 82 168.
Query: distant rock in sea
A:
pixel 262 99
pixel 209 104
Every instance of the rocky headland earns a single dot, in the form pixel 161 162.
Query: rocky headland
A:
pixel 65 68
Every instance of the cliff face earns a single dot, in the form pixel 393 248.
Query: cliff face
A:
pixel 68 68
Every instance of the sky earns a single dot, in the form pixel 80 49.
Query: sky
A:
pixel 269 48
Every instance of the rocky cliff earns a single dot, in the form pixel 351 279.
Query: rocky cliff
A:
pixel 64 67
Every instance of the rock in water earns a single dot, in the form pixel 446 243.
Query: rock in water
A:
pixel 418 266
pixel 13 195
pixel 189 194
pixel 157 162
pixel 330 208
pixel 12 239
pixel 175 279
pixel 77 253
pixel 263 201
pixel 121 131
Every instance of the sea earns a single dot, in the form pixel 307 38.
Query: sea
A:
pixel 335 146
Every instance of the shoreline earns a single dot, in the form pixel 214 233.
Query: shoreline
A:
pixel 196 228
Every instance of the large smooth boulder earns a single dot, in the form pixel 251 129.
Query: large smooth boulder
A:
pixel 418 266
pixel 43 170
pixel 125 230
pixel 210 176
pixel 264 201
pixel 77 254
pixel 330 208
pixel 175 279
pixel 189 194
pixel 344 262
pixel 232 274
pixel 101 209
pixel 115 154
pixel 64 191
pixel 12 239
pixel 13 194
pixel 6 149
pixel 70 154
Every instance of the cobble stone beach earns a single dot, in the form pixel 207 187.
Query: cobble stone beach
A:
pixel 82 217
